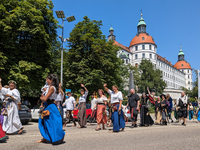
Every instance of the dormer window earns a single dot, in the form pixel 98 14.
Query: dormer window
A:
pixel 143 38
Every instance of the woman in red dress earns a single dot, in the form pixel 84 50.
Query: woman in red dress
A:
pixel 2 133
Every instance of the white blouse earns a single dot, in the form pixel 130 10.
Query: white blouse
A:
pixel 52 96
pixel 83 98
pixel 115 97
pixel 15 93
pixel 69 103
pixel 101 100
pixel 60 97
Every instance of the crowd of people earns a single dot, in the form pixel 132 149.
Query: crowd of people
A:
pixel 51 110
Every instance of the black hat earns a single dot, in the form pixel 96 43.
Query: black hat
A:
pixel 162 96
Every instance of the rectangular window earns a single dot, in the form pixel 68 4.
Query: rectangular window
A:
pixel 150 47
pixel 143 55
pixel 136 56
pixel 143 47
pixel 136 48
pixel 150 56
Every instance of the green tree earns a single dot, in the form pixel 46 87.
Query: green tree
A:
pixel 28 29
pixel 150 77
pixel 91 60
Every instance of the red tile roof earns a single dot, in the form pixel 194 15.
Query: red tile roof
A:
pixel 122 46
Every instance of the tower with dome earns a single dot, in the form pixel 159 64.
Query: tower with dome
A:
pixel 143 46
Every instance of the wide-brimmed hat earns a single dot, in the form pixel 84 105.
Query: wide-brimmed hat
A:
pixel 162 96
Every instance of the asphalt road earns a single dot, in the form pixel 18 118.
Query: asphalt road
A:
pixel 171 137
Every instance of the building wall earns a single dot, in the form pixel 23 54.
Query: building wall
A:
pixel 174 78
pixel 143 51
pixel 188 78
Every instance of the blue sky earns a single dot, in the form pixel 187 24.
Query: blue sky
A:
pixel 170 22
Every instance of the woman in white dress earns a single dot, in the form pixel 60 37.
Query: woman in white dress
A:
pixel 11 122
pixel 116 104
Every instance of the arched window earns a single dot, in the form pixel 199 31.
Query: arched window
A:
pixel 188 76
pixel 188 82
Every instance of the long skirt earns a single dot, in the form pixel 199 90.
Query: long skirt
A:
pixel 101 115
pixel 118 119
pixel 82 114
pixel 145 118
pixel 198 115
pixel 191 113
pixel 51 126
pixel 2 133
pixel 158 117
pixel 176 114
pixel 11 122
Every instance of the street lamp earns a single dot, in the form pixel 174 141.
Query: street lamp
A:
pixel 60 14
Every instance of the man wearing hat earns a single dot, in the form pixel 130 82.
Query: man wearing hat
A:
pixel 70 104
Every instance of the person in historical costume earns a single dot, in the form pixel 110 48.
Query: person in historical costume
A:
pixel 152 98
pixel 3 112
pixel 145 118
pixel 191 112
pixel 82 107
pixel 117 113
pixel 169 110
pixel 133 103
pixel 59 100
pixel 50 122
pixel 2 133
pixel 70 104
pixel 176 112
pixel 101 104
pixel 164 107
pixel 93 108
pixel 11 123
pixel 183 107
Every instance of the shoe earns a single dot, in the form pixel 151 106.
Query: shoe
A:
pixel 132 126
pixel 135 126
pixel 172 121
pixel 166 123
pixel 183 123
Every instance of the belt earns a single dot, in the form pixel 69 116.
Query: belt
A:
pixel 115 104
pixel 82 102
pixel 50 101
pixel 101 104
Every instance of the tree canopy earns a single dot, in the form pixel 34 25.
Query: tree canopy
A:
pixel 150 77
pixel 28 30
pixel 91 60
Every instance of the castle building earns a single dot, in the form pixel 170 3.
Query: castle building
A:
pixel 143 46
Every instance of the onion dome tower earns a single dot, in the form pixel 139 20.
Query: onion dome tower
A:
pixel 142 45
pixel 185 67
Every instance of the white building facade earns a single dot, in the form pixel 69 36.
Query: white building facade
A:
pixel 142 46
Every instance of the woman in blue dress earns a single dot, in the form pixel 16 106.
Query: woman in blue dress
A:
pixel 50 126
pixel 117 113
